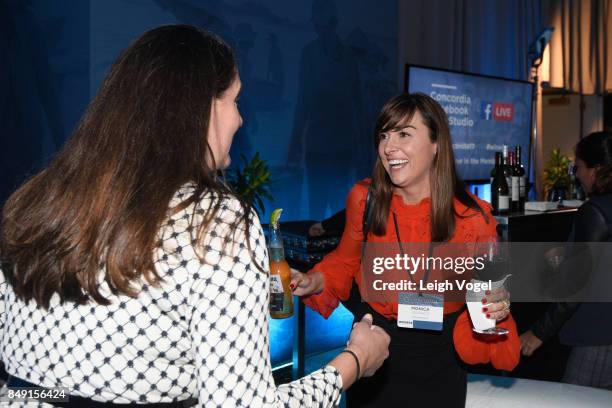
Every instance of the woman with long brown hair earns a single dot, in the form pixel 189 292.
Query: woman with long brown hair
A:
pixel 132 273
pixel 416 197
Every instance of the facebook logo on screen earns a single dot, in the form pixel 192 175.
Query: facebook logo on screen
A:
pixel 498 111
pixel 486 110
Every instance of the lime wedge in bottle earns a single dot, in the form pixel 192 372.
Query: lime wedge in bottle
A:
pixel 275 216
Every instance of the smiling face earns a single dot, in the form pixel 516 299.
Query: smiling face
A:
pixel 407 155
pixel 225 120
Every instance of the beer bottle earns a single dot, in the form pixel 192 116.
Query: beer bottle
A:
pixel 281 298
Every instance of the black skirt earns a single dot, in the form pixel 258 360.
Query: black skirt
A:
pixel 422 368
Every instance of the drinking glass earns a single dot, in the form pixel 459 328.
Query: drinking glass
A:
pixel 495 272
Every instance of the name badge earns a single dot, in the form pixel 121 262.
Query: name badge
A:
pixel 420 311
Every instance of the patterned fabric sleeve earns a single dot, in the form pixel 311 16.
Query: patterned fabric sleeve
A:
pixel 2 306
pixel 229 327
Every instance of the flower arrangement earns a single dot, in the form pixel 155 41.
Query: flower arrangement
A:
pixel 556 176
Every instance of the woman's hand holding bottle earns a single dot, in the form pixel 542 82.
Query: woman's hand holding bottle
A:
pixel 304 284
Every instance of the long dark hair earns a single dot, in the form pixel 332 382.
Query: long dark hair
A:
pixel 445 185
pixel 104 197
pixel 595 150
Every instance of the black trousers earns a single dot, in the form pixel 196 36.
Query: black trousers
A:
pixel 423 369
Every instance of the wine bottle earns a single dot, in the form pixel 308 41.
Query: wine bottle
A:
pixel 492 172
pixel 522 178
pixel 500 195
pixel 515 187
pixel 506 166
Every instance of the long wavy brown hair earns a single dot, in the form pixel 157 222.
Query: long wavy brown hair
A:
pixel 445 185
pixel 102 200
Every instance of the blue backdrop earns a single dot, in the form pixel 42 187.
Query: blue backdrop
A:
pixel 314 74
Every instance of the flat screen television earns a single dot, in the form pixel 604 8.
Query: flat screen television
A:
pixel 484 113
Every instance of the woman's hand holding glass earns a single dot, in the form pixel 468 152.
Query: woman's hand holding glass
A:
pixel 496 304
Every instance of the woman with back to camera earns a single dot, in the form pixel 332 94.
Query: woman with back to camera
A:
pixel 417 198
pixel 587 326
pixel 131 273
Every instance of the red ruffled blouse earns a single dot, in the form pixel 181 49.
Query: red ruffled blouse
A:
pixel 342 265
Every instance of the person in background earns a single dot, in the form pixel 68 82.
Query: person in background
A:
pixel 131 274
pixel 327 132
pixel 580 325
pixel 416 195
pixel 332 225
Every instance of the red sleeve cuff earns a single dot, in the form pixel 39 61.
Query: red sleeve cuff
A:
pixel 502 352
pixel 321 303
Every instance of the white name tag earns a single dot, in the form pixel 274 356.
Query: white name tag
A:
pixel 415 311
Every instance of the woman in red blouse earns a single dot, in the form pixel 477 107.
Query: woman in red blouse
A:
pixel 417 196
